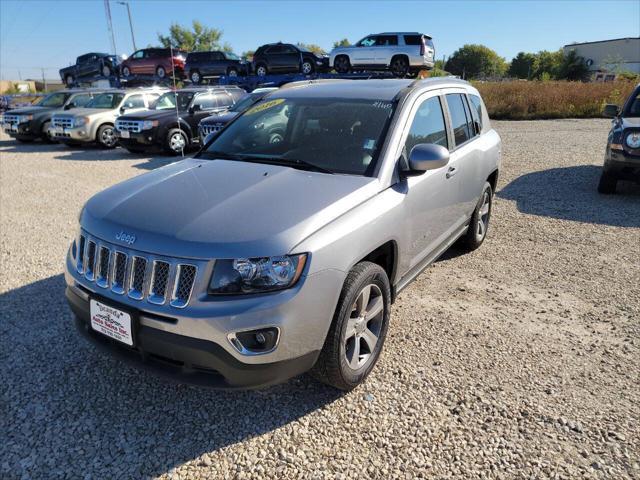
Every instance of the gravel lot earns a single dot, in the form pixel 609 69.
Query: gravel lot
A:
pixel 521 360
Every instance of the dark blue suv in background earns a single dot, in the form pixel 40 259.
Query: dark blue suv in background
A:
pixel 201 65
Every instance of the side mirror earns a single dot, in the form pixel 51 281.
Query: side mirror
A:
pixel 611 110
pixel 194 108
pixel 427 156
pixel 69 106
pixel 477 127
pixel 123 109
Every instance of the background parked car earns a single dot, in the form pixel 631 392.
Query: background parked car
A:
pixel 159 127
pixel 216 122
pixel 401 52
pixel 90 64
pixel 622 156
pixel 154 61
pixel 94 122
pixel 287 58
pixel 33 122
pixel 201 65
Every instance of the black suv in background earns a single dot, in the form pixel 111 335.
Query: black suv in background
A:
pixel 159 126
pixel 622 156
pixel 201 65
pixel 30 123
pixel 287 58
pixel 90 64
pixel 217 121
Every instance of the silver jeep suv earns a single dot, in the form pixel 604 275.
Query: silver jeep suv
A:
pixel 401 52
pixel 257 261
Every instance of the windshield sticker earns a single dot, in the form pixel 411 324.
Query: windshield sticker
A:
pixel 383 105
pixel 264 106
pixel 369 144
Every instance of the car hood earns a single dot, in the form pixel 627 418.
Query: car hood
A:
pixel 84 112
pixel 152 115
pixel 29 110
pixel 223 209
pixel 630 122
pixel 224 117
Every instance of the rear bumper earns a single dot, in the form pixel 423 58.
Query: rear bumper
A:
pixel 186 359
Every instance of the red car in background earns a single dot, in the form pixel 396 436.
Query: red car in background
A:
pixel 154 61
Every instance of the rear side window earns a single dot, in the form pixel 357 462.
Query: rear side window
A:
pixel 428 125
pixel 413 39
pixel 386 40
pixel 477 107
pixel 459 121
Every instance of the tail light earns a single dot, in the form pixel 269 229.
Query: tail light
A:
pixel 423 47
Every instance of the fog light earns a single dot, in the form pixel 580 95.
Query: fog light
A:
pixel 255 342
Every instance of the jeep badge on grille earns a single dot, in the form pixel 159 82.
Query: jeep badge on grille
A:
pixel 126 237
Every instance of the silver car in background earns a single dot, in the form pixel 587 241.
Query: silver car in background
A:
pixel 401 52
pixel 258 260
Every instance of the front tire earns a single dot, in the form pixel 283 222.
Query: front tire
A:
pixel 106 71
pixel 607 184
pixel 261 70
pixel 400 66
pixel 342 64
pixel 126 72
pixel 69 80
pixel 195 77
pixel 161 72
pixel 479 223
pixel 106 137
pixel 307 67
pixel 358 330
pixel 46 136
pixel 176 142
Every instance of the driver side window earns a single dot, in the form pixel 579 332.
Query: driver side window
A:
pixel 367 42
pixel 428 125
pixel 134 101
pixel 138 55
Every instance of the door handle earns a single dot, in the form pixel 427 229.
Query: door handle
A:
pixel 451 172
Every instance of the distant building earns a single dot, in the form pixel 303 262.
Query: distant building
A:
pixel 617 55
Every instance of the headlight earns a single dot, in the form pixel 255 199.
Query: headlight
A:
pixel 24 118
pixel 633 140
pixel 149 124
pixel 80 121
pixel 255 275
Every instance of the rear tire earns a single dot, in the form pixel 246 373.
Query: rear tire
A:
pixel 307 67
pixel 479 223
pixel 126 72
pixel 358 329
pixel 232 72
pixel 106 137
pixel 607 184
pixel 342 64
pixel 399 66
pixel 176 142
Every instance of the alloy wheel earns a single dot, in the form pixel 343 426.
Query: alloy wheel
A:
pixel 399 67
pixel 363 327
pixel 177 142
pixel 307 68
pixel 195 77
pixel 106 71
pixel 233 73
pixel 126 72
pixel 160 72
pixel 108 137
pixel 261 71
pixel 483 216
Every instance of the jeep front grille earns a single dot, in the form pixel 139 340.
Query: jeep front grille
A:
pixel 138 275
pixel 134 126
pixel 62 122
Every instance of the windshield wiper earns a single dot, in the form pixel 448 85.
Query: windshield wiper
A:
pixel 212 154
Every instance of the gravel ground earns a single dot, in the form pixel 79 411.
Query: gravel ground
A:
pixel 520 360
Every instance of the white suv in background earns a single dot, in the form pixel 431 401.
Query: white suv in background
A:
pixel 401 52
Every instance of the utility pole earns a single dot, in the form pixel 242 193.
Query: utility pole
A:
pixel 133 39
pixel 44 81
pixel 107 10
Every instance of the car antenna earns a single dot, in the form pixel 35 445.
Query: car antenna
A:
pixel 175 95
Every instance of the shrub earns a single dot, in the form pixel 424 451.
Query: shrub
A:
pixel 534 100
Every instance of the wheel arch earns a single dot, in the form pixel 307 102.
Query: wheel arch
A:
pixel 386 256
pixel 99 126
pixel 493 180
pixel 398 55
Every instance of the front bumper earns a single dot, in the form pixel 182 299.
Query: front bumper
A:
pixel 185 359
pixel 623 164
pixel 19 130
pixel 144 139
pixel 199 334
pixel 76 134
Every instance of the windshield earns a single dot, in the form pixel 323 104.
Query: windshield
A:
pixel 168 101
pixel 633 105
pixel 106 100
pixel 54 100
pixel 331 134
pixel 232 56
